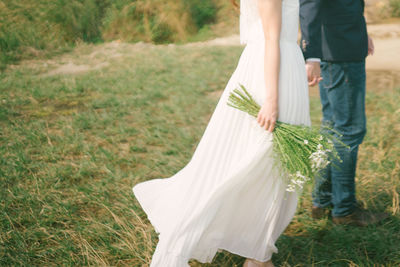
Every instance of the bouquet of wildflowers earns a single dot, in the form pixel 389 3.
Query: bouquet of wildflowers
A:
pixel 301 150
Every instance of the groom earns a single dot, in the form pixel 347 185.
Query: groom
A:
pixel 335 44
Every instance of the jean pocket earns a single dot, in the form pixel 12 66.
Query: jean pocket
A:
pixel 333 75
pixel 326 74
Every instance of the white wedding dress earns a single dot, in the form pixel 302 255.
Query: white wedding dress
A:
pixel 230 196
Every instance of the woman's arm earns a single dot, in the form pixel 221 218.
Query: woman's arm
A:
pixel 271 17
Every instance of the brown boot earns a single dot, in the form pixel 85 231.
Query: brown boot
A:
pixel 318 213
pixel 253 263
pixel 360 217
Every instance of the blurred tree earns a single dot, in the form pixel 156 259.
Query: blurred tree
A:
pixel 158 21
pixel 395 8
pixel 202 11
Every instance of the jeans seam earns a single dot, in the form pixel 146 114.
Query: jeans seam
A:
pixel 351 108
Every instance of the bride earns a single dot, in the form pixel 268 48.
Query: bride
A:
pixel 230 196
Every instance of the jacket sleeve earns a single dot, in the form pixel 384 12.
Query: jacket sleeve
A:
pixel 310 22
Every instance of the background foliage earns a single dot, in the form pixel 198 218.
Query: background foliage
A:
pixel 394 7
pixel 31 28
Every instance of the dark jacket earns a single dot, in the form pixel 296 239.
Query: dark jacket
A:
pixel 333 30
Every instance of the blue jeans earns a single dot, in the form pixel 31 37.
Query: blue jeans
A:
pixel 342 93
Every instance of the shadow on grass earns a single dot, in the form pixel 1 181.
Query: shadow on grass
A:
pixel 322 243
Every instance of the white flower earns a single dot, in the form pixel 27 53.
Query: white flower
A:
pixel 306 142
pixel 319 146
pixel 319 160
pixel 296 181
pixel 321 138
pixel 299 175
pixel 290 188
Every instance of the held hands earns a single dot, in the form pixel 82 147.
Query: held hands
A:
pixel 313 70
pixel 268 115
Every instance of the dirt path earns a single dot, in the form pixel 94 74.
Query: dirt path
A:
pixel 383 67
pixel 386 38
pixel 387 47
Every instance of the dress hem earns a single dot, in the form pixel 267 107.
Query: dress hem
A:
pixel 152 221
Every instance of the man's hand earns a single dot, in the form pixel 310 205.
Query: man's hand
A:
pixel 313 69
pixel 371 48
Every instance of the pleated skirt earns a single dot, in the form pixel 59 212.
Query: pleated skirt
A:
pixel 230 196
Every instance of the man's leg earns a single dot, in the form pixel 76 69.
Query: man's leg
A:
pixel 322 193
pixel 346 95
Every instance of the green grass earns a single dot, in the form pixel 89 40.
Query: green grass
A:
pixel 72 146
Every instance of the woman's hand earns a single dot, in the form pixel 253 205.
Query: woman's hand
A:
pixel 268 115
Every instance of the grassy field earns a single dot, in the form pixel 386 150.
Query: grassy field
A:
pixel 79 130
